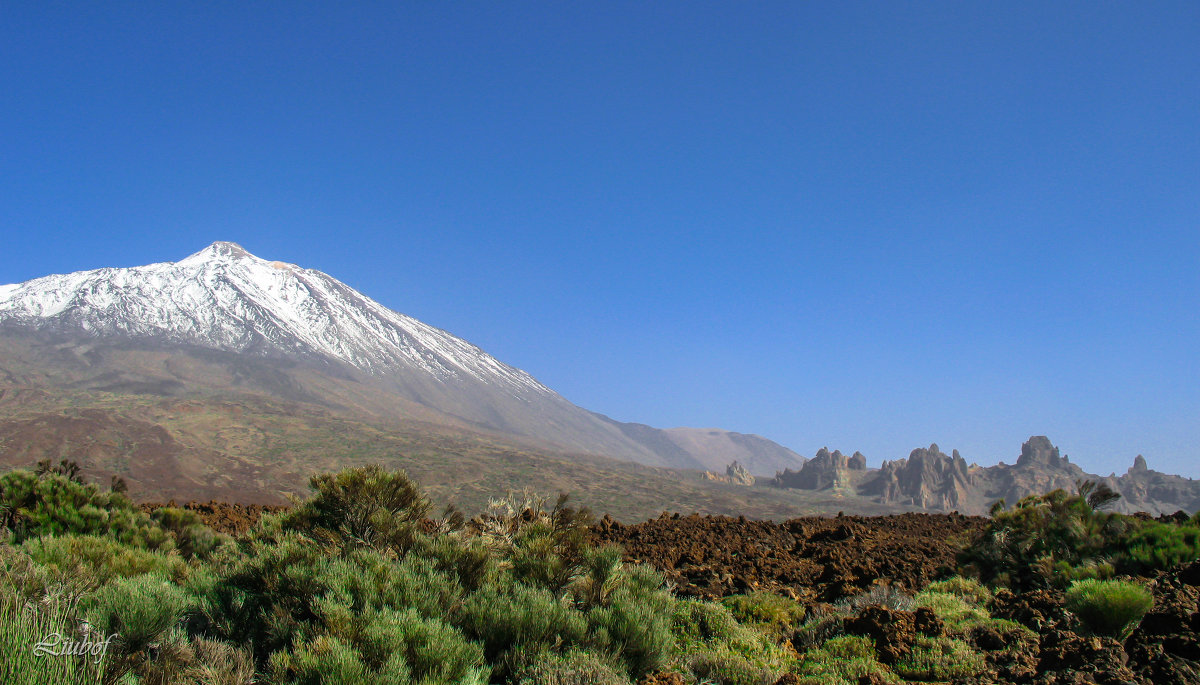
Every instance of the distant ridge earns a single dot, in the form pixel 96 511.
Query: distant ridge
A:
pixel 930 479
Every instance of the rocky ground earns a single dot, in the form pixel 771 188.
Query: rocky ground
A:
pixel 813 559
pixel 821 560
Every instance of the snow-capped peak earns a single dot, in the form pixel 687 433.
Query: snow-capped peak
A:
pixel 226 298
pixel 218 251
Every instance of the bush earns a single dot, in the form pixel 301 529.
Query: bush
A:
pixel 968 589
pixel 138 609
pixel 1109 607
pixel 817 630
pixel 192 538
pixel 330 661
pixel 1057 538
pixel 292 589
pixel 715 646
pixel 723 665
pixel 601 572
pixel 1024 544
pixel 543 546
pixel 101 559
pixel 518 623
pixel 219 663
pixel 573 667
pixel 55 504
pixel 431 649
pixel 777 615
pixel 882 594
pixel 952 609
pixel 850 647
pixel 637 631
pixel 365 506
pixel 940 658
pixel 843 660
pixel 1163 545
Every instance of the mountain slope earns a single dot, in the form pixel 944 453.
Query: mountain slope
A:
pixel 299 334
pixel 257 449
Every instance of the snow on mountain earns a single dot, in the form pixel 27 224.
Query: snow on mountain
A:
pixel 226 298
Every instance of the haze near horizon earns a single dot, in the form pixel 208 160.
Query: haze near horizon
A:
pixel 870 227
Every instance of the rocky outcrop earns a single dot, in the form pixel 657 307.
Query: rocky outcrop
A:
pixel 928 479
pixel 1038 470
pixel 735 473
pixel 824 471
pixel 932 480
pixel 1144 489
pixel 1038 451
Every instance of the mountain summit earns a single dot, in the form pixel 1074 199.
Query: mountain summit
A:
pixel 226 298
pixel 315 338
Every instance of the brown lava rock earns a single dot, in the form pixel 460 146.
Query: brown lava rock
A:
pixel 1165 647
pixel 812 559
pixel 223 517
pixel 893 631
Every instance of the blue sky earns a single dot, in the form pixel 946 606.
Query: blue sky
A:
pixel 870 226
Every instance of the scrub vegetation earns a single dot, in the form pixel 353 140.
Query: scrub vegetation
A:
pixel 364 581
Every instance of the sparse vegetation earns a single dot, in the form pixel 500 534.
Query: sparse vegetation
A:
pixel 1055 538
pixel 357 583
pixel 1109 607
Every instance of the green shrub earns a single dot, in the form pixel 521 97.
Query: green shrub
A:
pixel 698 621
pixel 102 559
pixel 220 663
pixel 601 572
pixel 777 615
pixel 1163 545
pixel 293 589
pixel 1056 538
pixel 968 589
pixel 952 609
pixel 715 646
pixel 192 537
pixel 637 631
pixel 1109 607
pixel 818 629
pixel 542 545
pixel 516 623
pixel 138 609
pixel 468 559
pixel 940 658
pixel 846 663
pixel 365 506
pixel 429 647
pixel 724 665
pixel 535 559
pixel 55 504
pixel 850 647
pixel 573 667
pixel 330 661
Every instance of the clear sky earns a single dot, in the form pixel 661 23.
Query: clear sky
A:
pixel 870 226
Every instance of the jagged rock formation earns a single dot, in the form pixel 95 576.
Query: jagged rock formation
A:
pixel 1144 489
pixel 824 471
pixel 932 480
pixel 735 473
pixel 928 479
